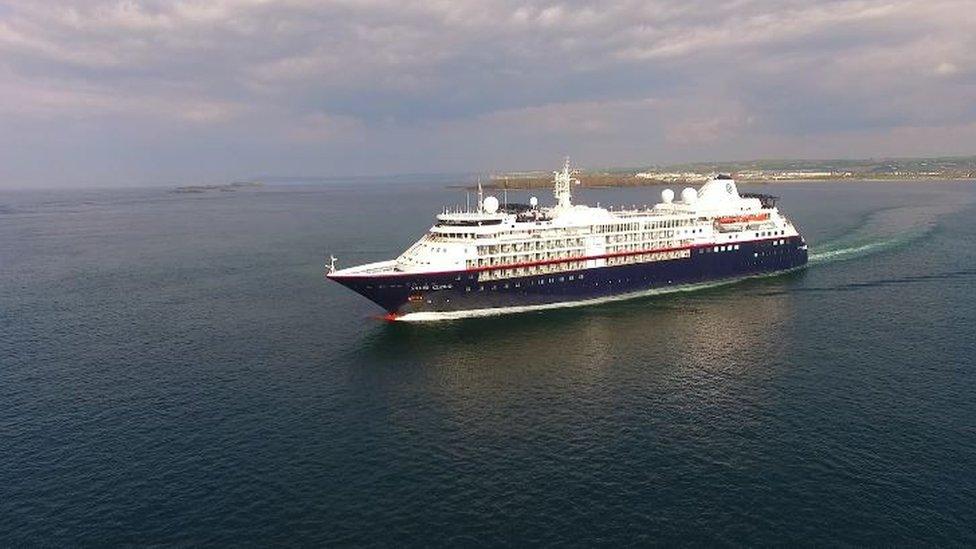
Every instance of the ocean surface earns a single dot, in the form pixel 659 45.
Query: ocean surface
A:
pixel 174 370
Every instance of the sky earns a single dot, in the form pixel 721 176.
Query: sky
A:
pixel 99 93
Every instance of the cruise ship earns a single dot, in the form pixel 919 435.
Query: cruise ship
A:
pixel 496 259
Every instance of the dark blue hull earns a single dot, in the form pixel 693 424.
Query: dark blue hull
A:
pixel 452 292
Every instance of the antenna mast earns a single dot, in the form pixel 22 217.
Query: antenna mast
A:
pixel 562 183
pixel 481 196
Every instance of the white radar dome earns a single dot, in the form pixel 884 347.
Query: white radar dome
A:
pixel 533 202
pixel 491 204
pixel 689 195
pixel 667 195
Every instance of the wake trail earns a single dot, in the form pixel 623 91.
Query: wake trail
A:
pixel 883 230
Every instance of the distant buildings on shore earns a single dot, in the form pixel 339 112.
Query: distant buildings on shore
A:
pixel 673 177
pixel 746 175
pixel 768 175
pixel 801 175
pixel 960 167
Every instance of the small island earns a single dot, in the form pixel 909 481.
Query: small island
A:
pixel 225 187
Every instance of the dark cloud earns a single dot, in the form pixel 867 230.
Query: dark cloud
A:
pixel 230 88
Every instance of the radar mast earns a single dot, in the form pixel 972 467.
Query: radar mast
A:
pixel 481 197
pixel 562 185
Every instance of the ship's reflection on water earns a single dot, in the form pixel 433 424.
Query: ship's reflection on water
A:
pixel 703 354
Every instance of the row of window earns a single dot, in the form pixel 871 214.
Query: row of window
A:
pixel 767 253
pixel 636 226
pixel 658 244
pixel 530 245
pixel 643 237
pixel 649 257
pixel 498 274
pixel 717 249
pixel 530 270
pixel 519 284
pixel 556 280
pixel 506 254
pixel 435 237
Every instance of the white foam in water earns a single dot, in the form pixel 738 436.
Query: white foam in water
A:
pixel 883 230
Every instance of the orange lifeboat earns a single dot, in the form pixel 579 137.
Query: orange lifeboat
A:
pixel 742 218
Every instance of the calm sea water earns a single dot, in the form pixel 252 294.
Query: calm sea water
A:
pixel 174 370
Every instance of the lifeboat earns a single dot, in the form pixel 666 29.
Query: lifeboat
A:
pixel 751 218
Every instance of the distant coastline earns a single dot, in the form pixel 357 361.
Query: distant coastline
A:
pixel 759 172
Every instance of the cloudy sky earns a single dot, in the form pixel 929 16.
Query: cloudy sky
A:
pixel 116 93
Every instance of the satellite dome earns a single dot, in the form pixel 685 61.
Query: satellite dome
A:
pixel 667 196
pixel 689 195
pixel 491 204
pixel 533 202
